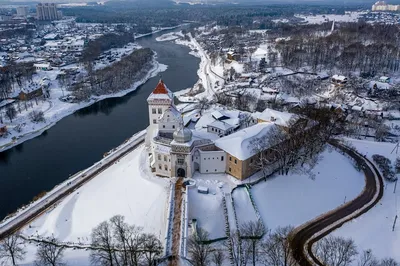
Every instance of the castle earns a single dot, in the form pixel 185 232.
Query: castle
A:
pixel 177 151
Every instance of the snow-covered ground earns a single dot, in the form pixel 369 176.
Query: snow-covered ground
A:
pixel 295 198
pixel 126 188
pixel 373 230
pixel 244 209
pixel 55 110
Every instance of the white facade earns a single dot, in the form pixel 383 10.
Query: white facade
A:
pixel 383 6
pixel 22 11
pixel 212 162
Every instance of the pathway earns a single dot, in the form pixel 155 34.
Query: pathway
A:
pixel 176 229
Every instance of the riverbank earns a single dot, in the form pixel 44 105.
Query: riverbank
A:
pixel 57 109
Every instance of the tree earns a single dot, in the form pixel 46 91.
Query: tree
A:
pixel 382 132
pixel 396 166
pixel 37 116
pixel 104 253
pixel 50 253
pixel 203 104
pixel 12 249
pixel 367 259
pixel 152 248
pixel 276 248
pixel 252 233
pixel 218 257
pixel 335 251
pixel 199 248
pixel 11 113
pixel 388 262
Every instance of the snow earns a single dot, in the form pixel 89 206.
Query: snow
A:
pixel 126 188
pixel 379 220
pixel 295 198
pixel 238 144
pixel 244 209
pixel 169 36
pixel 54 109
pixel 279 118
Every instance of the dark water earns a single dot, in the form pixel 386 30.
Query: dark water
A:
pixel 81 139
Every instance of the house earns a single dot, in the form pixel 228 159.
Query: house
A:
pixel 384 79
pixel 5 103
pixel 42 67
pixel 339 80
pixel 30 93
pixel 3 129
pixel 231 55
pixel 269 115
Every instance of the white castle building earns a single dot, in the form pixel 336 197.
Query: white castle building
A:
pixel 177 151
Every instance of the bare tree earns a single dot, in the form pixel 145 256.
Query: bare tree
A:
pixel 50 253
pixel 367 259
pixel 37 116
pixel 218 257
pixel 12 249
pixel 102 239
pixel 276 248
pixel 199 248
pixel 388 262
pixel 252 232
pixel 152 249
pixel 11 113
pixel 203 104
pixel 335 251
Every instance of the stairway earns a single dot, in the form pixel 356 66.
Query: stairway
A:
pixel 176 228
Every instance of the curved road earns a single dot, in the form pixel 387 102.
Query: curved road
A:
pixel 306 235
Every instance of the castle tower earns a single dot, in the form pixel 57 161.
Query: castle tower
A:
pixel 158 101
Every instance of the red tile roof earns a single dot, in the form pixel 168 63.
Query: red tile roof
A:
pixel 160 88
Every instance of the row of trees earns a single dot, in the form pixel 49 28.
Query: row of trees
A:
pixel 113 243
pixel 18 73
pixel 251 246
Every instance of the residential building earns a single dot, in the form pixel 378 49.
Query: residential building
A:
pixel 383 6
pixel 22 11
pixel 47 11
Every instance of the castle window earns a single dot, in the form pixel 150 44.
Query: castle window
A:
pixel 222 158
pixel 153 111
pixel 163 126
pixel 230 170
pixel 154 121
pixel 251 160
pixel 159 110
pixel 181 161
pixel 173 126
pixel 206 170
pixel 230 158
pixel 165 158
pixel 204 159
pixel 215 170
pixel 235 161
pixel 159 157
pixel 159 166
pixel 165 167
pixel 192 158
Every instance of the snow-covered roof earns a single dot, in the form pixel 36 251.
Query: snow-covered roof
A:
pixel 238 144
pixel 161 92
pixel 384 78
pixel 6 102
pixel 44 65
pixel 279 118
pixel 221 125
pixel 379 85
pixel 339 77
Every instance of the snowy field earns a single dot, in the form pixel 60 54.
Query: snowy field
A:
pixel 126 188
pixel 378 221
pixel 295 199
pixel 169 36
pixel 244 209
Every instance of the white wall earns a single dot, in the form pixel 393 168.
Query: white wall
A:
pixel 160 160
pixel 210 162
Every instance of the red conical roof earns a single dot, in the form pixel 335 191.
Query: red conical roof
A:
pixel 160 88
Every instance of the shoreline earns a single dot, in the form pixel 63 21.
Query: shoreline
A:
pixel 154 71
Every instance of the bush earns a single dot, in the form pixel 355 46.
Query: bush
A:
pixel 37 116
pixel 385 165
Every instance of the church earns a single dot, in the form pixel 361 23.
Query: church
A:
pixel 177 151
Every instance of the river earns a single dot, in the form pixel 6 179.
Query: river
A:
pixel 81 139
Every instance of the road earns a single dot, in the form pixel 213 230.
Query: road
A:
pixel 306 235
pixel 24 217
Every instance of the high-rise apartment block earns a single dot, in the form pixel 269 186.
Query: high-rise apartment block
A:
pixel 383 6
pixel 47 11
pixel 22 11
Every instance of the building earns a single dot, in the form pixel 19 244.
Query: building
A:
pixel 383 6
pixel 34 90
pixel 47 11
pixel 3 129
pixel 42 67
pixel 339 80
pixel 384 79
pixel 22 11
pixel 177 151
